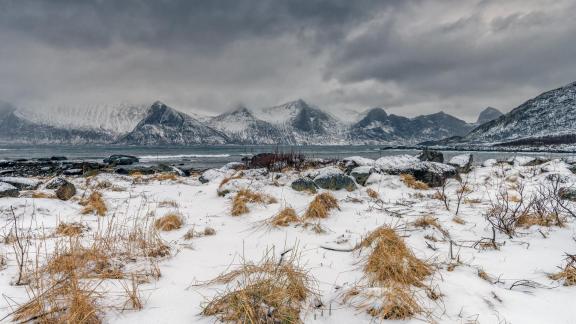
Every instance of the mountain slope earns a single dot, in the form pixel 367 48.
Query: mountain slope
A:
pixel 379 127
pixel 551 114
pixel 16 130
pixel 488 114
pixel 164 125
pixel 241 127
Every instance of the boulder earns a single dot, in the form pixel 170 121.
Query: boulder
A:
pixel 58 158
pixel 8 190
pixel 120 159
pixel 304 184
pixel 361 174
pixel 352 162
pixel 432 173
pixel 54 183
pixel 73 172
pixel 335 181
pixel 65 191
pixel 22 183
pixel 462 162
pixel 431 155
pixel 567 193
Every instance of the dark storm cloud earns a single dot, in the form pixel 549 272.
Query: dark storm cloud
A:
pixel 410 56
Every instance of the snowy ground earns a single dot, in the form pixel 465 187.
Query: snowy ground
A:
pixel 532 254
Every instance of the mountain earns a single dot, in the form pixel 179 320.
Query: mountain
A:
pixel 488 114
pixel 164 125
pixel 116 119
pixel 378 127
pixel 16 130
pixel 305 123
pixel 242 127
pixel 547 118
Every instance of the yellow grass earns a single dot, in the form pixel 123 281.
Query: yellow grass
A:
pixel 69 229
pixel 169 222
pixel 321 206
pixel 245 196
pixel 94 204
pixel 372 193
pixel 285 217
pixel 411 182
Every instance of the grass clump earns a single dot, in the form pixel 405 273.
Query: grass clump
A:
pixel 372 194
pixel 245 196
pixel 527 220
pixel 164 176
pixel 169 222
pixel 568 273
pixel 272 291
pixel 94 204
pixel 321 205
pixel 284 217
pixel 411 182
pixel 69 229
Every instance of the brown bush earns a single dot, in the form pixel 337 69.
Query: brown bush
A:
pixel 169 222
pixel 411 182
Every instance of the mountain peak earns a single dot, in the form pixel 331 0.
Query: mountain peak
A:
pixel 488 114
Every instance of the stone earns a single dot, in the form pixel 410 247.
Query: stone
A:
pixel 361 174
pixel 462 162
pixel 431 155
pixel 8 190
pixel 567 193
pixel 304 184
pixel 54 183
pixel 335 181
pixel 433 174
pixel 121 159
pixel 66 190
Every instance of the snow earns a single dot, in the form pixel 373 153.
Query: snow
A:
pixel 26 183
pixel 322 172
pixel 460 160
pixel 175 297
pixel 358 160
pixel 6 186
pixel 397 162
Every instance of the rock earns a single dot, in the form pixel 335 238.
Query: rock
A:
pixel 65 191
pixel 567 193
pixel 462 162
pixel 21 183
pixel 431 155
pixel 235 166
pixel 120 159
pixel 58 158
pixel 8 190
pixel 489 163
pixel 569 159
pixel 275 161
pixel 73 172
pixel 432 173
pixel 304 184
pixel 213 174
pixel 352 162
pixel 527 160
pixel 54 183
pixel 334 181
pixel 361 174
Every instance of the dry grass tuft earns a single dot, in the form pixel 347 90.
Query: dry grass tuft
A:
pixel 372 193
pixel 458 220
pixel 568 273
pixel 284 217
pixel 321 205
pixel 272 291
pixel 69 229
pixel 237 175
pixel 391 261
pixel 40 194
pixel 164 176
pixel 94 204
pixel 411 182
pixel 429 221
pixel 245 196
pixel 209 231
pixel 169 222
pixel 168 203
pixel 528 220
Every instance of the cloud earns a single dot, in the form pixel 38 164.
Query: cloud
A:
pixel 411 57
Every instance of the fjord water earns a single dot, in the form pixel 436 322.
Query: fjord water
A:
pixel 203 156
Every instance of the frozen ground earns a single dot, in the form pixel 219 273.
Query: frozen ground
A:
pixel 516 287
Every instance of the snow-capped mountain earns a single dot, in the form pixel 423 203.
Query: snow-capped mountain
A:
pixel 117 119
pixel 16 130
pixel 164 125
pixel 379 127
pixel 549 116
pixel 241 127
pixel 488 114
pixel 307 124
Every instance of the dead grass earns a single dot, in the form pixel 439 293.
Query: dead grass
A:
pixel 208 231
pixel 168 203
pixel 372 194
pixel 40 194
pixel 245 196
pixel 70 229
pixel 527 220
pixel 94 204
pixel 458 220
pixel 568 273
pixel 321 206
pixel 169 222
pixel 272 291
pixel 284 218
pixel 164 176
pixel 411 182
pixel 429 221
pixel 391 261
pixel 237 175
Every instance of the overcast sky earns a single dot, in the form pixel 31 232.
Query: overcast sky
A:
pixel 409 57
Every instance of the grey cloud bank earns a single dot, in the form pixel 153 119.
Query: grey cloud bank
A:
pixel 410 57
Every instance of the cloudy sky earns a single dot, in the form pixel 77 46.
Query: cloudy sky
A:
pixel 409 56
